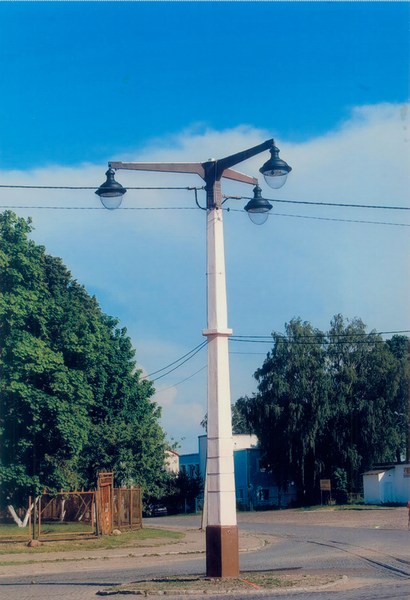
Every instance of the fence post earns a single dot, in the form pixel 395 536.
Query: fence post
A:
pixel 29 513
pixel 97 508
pixel 131 505
pixel 34 518
pixel 39 517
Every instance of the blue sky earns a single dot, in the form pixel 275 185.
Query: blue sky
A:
pixel 88 82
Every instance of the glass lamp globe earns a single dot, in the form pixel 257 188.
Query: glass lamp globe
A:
pixel 275 170
pixel 111 192
pixel 258 208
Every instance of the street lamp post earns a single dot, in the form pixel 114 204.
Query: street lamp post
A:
pixel 222 548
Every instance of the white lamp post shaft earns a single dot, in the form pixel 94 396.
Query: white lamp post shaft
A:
pixel 222 547
pixel 222 550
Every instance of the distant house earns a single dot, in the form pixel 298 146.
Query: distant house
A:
pixel 255 486
pixel 171 461
pixel 387 483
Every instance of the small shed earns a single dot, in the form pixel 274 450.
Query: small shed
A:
pixel 387 483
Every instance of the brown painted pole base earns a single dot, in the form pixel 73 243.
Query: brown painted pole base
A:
pixel 222 551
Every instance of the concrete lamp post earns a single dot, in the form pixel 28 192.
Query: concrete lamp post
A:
pixel 222 548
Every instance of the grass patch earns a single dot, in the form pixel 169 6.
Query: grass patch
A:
pixel 13 563
pixel 126 540
pixel 12 529
pixel 247 581
pixel 313 508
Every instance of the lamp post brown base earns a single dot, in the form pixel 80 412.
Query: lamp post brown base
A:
pixel 222 551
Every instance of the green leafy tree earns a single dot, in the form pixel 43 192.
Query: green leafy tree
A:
pixel 180 491
pixel 339 486
pixel 71 401
pixel 44 403
pixel 239 423
pixel 362 428
pixel 399 346
pixel 289 411
pixel 329 403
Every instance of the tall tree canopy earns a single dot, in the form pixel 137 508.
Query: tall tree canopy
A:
pixel 71 401
pixel 328 402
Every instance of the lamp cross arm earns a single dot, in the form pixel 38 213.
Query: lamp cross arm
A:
pixel 235 159
pixel 237 176
pixel 195 168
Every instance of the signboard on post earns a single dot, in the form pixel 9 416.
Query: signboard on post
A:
pixel 325 487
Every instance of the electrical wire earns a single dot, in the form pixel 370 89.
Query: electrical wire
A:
pixel 341 220
pixel 179 382
pixel 195 188
pixel 323 342
pixel 333 335
pixel 55 187
pixel 248 353
pixel 264 353
pixel 200 346
pixel 180 365
pixel 12 207
pixel 102 208
pixel 312 340
pixel 265 339
pixel 326 203
pixel 325 218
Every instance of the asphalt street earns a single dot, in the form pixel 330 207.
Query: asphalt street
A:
pixel 376 562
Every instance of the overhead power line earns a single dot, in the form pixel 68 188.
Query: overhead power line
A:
pixel 339 220
pixel 66 187
pixel 265 339
pixel 195 188
pixel 319 339
pixel 320 333
pixel 199 347
pixel 12 207
pixel 189 355
pixel 102 207
pixel 325 218
pixel 326 203
pixel 179 382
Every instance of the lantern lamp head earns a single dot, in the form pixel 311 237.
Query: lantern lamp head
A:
pixel 111 192
pixel 258 208
pixel 275 170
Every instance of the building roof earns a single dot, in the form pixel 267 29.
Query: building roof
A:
pixel 171 451
pixel 378 471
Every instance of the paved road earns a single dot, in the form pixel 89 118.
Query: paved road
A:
pixel 377 562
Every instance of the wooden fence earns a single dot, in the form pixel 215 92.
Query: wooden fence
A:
pixel 75 515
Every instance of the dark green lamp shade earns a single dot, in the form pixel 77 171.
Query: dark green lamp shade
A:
pixel 275 170
pixel 111 192
pixel 258 208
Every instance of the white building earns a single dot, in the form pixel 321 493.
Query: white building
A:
pixel 387 484
pixel 171 461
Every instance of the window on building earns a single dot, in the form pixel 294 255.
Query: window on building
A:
pixel 264 495
pixel 261 465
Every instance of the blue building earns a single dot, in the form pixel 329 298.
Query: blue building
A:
pixel 255 486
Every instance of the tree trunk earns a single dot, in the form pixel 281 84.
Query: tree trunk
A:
pixel 62 514
pixel 17 520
